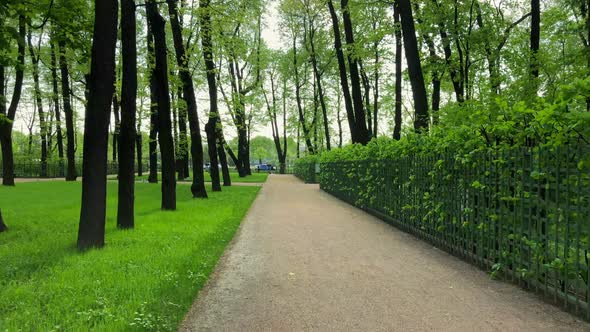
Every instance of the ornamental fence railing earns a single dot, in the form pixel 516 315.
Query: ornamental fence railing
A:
pixel 522 214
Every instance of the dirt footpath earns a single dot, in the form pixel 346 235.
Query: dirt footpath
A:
pixel 304 260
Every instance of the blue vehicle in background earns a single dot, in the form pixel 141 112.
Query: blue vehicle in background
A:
pixel 264 168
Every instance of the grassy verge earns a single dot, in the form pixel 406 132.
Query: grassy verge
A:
pixel 254 178
pixel 144 279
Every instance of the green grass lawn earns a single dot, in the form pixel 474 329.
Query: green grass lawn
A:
pixel 143 279
pixel 254 178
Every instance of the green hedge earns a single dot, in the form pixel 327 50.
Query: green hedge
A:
pixel 305 169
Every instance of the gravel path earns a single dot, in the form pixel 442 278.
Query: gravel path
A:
pixel 304 260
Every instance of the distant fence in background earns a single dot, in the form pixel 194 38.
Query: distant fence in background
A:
pixel 55 168
pixel 523 214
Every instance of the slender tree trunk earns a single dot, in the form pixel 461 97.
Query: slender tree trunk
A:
pixel 127 138
pixel 308 143
pixel 117 126
pixel 3 227
pixel 366 97
pixel 339 119
pixel 37 91
pixel 198 184
pixel 6 126
pixel 455 75
pixel 68 111
pixel 182 154
pixel 397 129
pixel 55 96
pixel 153 143
pixel 535 41
pixel 163 97
pixel 414 65
pixel 343 74
pixel 210 128
pixel 376 90
pixel 139 147
pixel 355 82
pixel 318 78
pixel 101 88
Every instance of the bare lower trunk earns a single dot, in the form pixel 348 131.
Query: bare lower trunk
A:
pixel 3 227
pixel 101 85
pixel 69 113
pixel 126 201
pixel 163 97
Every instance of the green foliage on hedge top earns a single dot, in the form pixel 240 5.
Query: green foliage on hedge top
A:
pixel 477 126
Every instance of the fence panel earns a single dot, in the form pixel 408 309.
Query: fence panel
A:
pixel 521 213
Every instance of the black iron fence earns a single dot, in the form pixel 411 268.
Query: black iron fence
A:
pixel 522 214
pixel 53 168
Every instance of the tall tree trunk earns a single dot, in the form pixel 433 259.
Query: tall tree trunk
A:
pixel 68 111
pixel 397 129
pixel 55 96
pixel 6 126
pixel 318 79
pixel 163 97
pixel 101 88
pixel 127 138
pixel 414 65
pixel 139 147
pixel 117 126
pixel 153 143
pixel 223 158
pixel 343 74
pixel 339 119
pixel 198 184
pixel 355 82
pixel 180 133
pixel 272 116
pixel 376 92
pixel 37 91
pixel 535 41
pixel 211 125
pixel 308 143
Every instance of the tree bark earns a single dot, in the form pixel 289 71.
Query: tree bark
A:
pixel 37 92
pixel 308 143
pixel 198 184
pixel 6 126
pixel 68 111
pixel 153 143
pixel 343 74
pixel 355 81
pixel 211 127
pixel 127 138
pixel 101 88
pixel 55 96
pixel 163 99
pixel 318 78
pixel 397 129
pixel 414 65
pixel 456 77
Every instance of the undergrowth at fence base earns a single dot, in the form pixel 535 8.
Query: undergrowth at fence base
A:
pixel 143 279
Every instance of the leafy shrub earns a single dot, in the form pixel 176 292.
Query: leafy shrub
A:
pixel 305 168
